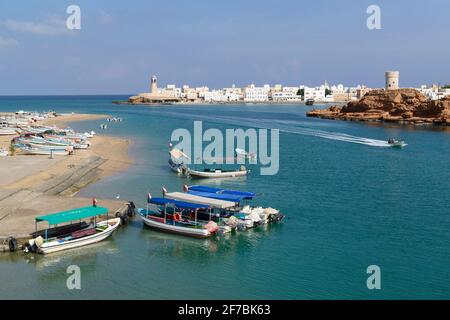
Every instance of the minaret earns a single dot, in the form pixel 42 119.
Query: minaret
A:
pixel 153 85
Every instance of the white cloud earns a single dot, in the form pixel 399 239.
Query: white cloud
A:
pixel 8 42
pixel 52 27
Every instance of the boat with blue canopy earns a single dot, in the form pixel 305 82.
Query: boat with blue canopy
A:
pixel 175 216
pixel 225 197
pixel 243 194
pixel 72 235
pixel 251 216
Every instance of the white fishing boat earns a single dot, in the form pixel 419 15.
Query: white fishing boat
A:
pixel 41 151
pixel 218 173
pixel 177 160
pixel 83 235
pixel 8 131
pixel 170 216
pixel 48 147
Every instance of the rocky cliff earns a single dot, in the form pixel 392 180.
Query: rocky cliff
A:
pixel 401 105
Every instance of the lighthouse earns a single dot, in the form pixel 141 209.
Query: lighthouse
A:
pixel 153 85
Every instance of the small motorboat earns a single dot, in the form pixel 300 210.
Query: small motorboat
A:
pixel 244 154
pixel 176 161
pixel 396 143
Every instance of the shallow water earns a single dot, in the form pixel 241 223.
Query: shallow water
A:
pixel 350 203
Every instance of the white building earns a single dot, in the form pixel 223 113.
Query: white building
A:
pixel 316 93
pixel 170 91
pixel 286 96
pixel 434 92
pixel 256 94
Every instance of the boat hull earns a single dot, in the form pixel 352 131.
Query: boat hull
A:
pixel 55 246
pixel 228 174
pixel 185 231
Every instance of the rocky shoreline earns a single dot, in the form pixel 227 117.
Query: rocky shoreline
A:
pixel 406 106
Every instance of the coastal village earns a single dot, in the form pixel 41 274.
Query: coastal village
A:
pixel 278 93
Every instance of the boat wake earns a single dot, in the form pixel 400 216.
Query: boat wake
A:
pixel 289 126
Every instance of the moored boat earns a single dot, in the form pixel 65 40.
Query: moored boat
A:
pixel 82 235
pixel 218 173
pixel 176 160
pixel 176 217
pixel 257 215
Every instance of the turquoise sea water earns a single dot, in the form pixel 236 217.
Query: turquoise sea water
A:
pixel 349 204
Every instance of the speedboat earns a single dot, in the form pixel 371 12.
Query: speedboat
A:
pixel 396 143
pixel 244 154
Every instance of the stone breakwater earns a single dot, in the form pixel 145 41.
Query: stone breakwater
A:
pixel 401 105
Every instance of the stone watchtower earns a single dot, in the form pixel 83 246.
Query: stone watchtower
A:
pixel 392 78
pixel 153 85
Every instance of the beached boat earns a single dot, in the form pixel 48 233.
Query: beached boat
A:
pixel 6 131
pixel 55 151
pixel 177 217
pixel 84 234
pixel 217 173
pixel 3 152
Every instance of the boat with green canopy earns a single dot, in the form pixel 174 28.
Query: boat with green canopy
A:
pixel 73 235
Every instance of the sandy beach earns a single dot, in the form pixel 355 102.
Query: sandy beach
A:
pixel 34 185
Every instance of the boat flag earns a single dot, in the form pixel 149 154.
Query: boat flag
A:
pixel 149 197
pixel 94 202
pixel 164 191
pixel 185 188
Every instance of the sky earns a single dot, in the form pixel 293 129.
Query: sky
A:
pixel 218 43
